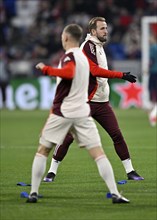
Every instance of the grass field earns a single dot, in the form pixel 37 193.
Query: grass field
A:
pixel 78 192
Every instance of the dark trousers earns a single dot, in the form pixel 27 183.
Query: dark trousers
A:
pixel 152 85
pixel 3 87
pixel 104 115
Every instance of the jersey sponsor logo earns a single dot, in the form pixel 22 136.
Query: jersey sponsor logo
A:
pixel 92 50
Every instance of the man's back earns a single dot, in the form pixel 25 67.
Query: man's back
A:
pixel 71 95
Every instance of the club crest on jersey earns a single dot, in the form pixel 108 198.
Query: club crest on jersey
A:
pixel 92 48
pixel 67 59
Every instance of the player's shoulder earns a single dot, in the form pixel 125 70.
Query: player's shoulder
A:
pixel 89 47
pixel 78 54
pixel 67 57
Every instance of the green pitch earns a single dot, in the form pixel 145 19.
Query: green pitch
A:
pixel 78 192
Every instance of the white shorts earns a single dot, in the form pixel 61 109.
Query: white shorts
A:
pixel 84 131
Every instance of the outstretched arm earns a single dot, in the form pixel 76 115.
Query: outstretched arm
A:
pixel 101 72
pixel 67 72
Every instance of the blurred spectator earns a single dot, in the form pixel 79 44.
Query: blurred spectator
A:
pixel 153 69
pixel 31 28
pixel 10 9
pixel 132 42
pixel 3 25
pixel 4 76
pixel 151 7
pixel 25 13
pixel 153 78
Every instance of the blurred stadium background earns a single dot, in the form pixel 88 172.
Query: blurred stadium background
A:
pixel 30 32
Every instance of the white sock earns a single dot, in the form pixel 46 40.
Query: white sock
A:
pixel 106 172
pixel 127 165
pixel 38 170
pixel 54 166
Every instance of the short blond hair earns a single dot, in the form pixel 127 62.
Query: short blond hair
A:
pixel 75 31
pixel 93 23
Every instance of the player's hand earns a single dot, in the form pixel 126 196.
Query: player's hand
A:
pixel 127 76
pixel 40 66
